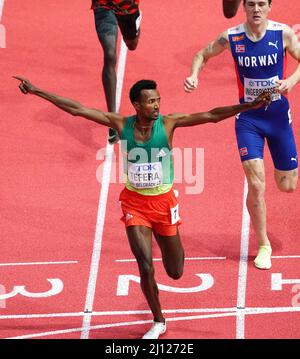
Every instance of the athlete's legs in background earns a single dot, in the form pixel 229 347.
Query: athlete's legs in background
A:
pixel 130 28
pixel 107 31
pixel 230 8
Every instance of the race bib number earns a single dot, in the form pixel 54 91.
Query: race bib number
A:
pixel 145 175
pixel 175 214
pixel 254 87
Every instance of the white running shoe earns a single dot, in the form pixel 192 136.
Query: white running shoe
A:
pixel 156 330
pixel 113 136
pixel 263 258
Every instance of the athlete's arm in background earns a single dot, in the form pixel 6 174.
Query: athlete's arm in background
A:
pixel 109 119
pixel 217 114
pixel 292 45
pixel 213 49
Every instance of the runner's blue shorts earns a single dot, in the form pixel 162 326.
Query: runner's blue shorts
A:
pixel 253 127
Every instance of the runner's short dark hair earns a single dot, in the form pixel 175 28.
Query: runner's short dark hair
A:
pixel 136 89
pixel 270 2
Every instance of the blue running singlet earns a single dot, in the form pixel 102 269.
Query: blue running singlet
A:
pixel 258 66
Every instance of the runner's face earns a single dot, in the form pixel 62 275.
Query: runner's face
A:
pixel 149 104
pixel 257 11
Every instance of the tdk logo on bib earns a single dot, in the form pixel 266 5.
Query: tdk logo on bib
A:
pixel 254 87
pixel 146 167
pixel 145 175
pixel 263 83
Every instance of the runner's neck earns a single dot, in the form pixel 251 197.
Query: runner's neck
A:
pixel 256 33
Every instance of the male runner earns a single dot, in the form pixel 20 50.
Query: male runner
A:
pixel 230 8
pixel 259 49
pixel 109 15
pixel 148 202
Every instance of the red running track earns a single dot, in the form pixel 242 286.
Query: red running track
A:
pixel 50 193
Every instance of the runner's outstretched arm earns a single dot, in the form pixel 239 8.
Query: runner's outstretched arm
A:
pixel 74 108
pixel 220 113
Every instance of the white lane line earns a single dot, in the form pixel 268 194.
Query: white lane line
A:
pixel 91 288
pixel 1 8
pixel 242 276
pixel 186 259
pixel 2 28
pixel 115 312
pixel 36 263
pixel 285 257
pixel 248 311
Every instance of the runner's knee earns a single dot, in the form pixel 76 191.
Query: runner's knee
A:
pixel 257 188
pixel 110 57
pixel 288 187
pixel 175 273
pixel 146 269
pixel 229 13
pixel 287 182
pixel 131 44
pixel 230 8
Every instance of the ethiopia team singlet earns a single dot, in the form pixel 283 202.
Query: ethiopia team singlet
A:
pixel 148 166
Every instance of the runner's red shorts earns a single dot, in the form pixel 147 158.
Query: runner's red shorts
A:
pixel 160 213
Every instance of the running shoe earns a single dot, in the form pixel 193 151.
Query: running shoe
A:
pixel 156 330
pixel 113 136
pixel 263 258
